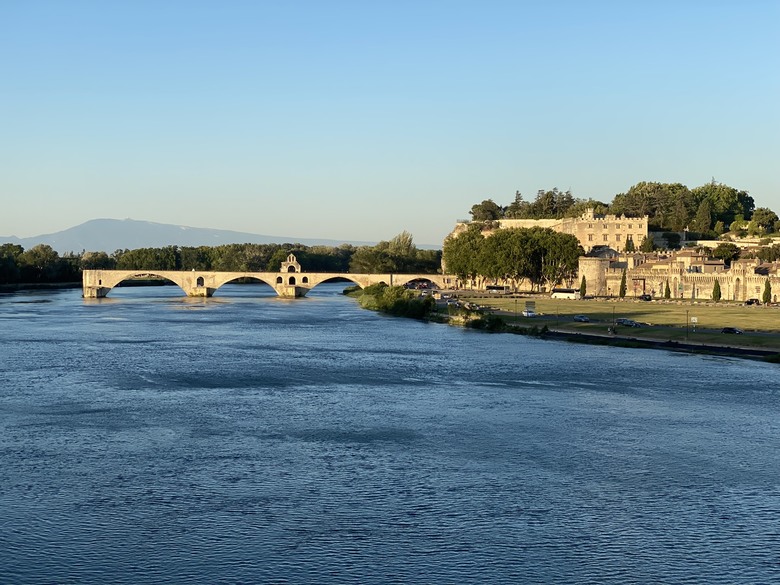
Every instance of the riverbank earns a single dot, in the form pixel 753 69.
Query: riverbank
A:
pixel 669 345
pixel 599 329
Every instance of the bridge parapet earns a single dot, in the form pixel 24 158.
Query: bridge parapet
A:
pixel 98 283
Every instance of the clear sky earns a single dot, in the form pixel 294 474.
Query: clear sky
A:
pixel 355 120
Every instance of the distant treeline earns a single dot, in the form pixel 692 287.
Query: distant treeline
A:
pixel 42 264
pixel 709 210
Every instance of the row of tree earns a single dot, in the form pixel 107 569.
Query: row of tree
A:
pixel 710 209
pixel 42 264
pixel 540 255
pixel 39 264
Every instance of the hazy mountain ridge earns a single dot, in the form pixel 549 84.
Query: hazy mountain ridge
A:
pixel 108 235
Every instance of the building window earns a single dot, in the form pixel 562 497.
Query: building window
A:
pixel 605 226
pixel 617 237
pixel 629 226
pixel 606 237
pixel 590 225
pixel 590 237
pixel 630 237
pixel 617 226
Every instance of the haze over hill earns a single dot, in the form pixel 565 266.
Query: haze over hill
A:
pixel 108 235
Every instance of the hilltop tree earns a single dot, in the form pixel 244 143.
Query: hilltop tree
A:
pixel 647 245
pixel 630 247
pixel 763 221
pixel 702 221
pixel 727 203
pixel 488 210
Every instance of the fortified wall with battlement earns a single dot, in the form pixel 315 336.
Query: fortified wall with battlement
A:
pixel 690 275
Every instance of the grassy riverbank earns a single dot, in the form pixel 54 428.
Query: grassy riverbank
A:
pixel 663 323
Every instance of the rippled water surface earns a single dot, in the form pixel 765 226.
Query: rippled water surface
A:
pixel 149 438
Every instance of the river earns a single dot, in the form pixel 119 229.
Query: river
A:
pixel 150 438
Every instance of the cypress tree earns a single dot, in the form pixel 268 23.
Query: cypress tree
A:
pixel 622 292
pixel 767 296
pixel 667 291
pixel 716 291
pixel 583 287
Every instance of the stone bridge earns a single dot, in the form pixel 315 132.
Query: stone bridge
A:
pixel 290 282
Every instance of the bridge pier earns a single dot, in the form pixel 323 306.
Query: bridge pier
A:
pixel 201 292
pixel 289 291
pixel 95 292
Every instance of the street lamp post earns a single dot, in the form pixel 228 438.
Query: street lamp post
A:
pixel 686 325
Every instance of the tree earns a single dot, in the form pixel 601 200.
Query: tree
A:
pixel 647 244
pixel 461 253
pixel 97 261
pixel 519 208
pixel 766 297
pixel 702 221
pixel 726 202
pixel 583 287
pixel 763 220
pixel 669 206
pixel 716 291
pixel 9 263
pixel 667 291
pixel 40 263
pixel 630 246
pixel 623 287
pixel 727 252
pixel 488 210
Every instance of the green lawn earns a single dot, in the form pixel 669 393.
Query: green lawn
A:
pixel 667 319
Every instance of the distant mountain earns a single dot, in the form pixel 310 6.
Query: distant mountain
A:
pixel 108 235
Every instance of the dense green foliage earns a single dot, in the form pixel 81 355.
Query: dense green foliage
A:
pixel 766 297
pixel 671 207
pixel 396 300
pixel 41 264
pixel 623 287
pixel 716 291
pixel 540 255
pixel 583 287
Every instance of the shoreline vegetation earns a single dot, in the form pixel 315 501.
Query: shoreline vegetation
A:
pixel 670 326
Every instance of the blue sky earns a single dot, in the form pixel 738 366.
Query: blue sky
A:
pixel 357 120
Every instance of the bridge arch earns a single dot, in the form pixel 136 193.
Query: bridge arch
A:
pixel 233 276
pixel 111 281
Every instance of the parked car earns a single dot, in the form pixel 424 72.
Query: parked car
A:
pixel 626 322
pixel 645 298
pixel 529 313
pixel 582 318
pixel 732 330
pixel 752 302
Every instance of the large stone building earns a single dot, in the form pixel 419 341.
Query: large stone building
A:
pixel 592 230
pixel 689 274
